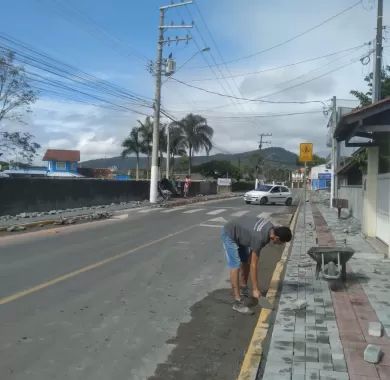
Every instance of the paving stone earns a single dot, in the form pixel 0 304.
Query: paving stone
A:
pixel 375 329
pixel 298 367
pixel 372 353
pixel 276 376
pixel 324 354
pixel 312 374
pixel 319 366
pixel 322 337
pixel 339 365
pixel 312 352
pixel 332 375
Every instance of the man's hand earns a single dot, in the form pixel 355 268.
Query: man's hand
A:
pixel 256 293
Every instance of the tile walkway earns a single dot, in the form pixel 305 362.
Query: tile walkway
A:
pixel 326 339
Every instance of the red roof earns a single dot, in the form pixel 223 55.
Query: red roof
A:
pixel 61 155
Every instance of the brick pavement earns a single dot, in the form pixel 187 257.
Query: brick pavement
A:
pixel 326 339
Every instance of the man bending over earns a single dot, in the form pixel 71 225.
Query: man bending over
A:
pixel 243 239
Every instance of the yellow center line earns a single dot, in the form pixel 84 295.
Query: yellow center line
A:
pixel 64 277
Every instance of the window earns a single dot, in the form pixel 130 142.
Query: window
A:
pixel 276 189
pixel 61 165
pixel 263 188
pixel 285 190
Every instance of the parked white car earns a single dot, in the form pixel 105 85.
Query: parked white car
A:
pixel 269 194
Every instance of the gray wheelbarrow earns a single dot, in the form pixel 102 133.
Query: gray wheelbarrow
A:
pixel 331 262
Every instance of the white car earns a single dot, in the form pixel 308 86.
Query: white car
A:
pixel 269 194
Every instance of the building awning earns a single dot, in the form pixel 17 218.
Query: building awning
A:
pixel 366 123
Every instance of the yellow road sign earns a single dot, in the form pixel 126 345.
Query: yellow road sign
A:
pixel 306 152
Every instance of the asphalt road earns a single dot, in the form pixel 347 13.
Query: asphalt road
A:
pixel 143 296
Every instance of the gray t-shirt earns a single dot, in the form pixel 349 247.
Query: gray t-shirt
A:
pixel 250 232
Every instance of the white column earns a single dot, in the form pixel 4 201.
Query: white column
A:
pixel 370 193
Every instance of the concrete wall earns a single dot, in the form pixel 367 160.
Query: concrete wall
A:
pixel 383 208
pixel 202 187
pixel 354 194
pixel 44 194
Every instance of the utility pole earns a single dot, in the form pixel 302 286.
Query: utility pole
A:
pixel 376 95
pixel 168 151
pixel 261 143
pixel 157 95
pixel 333 182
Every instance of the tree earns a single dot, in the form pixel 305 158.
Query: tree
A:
pixel 365 98
pixel 133 144
pixel 16 96
pixel 146 132
pixel 177 145
pixel 198 135
pixel 217 169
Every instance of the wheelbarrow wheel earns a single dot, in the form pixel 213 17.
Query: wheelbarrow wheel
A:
pixel 335 285
pixel 344 272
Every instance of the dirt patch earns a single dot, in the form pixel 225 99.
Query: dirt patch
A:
pixel 213 343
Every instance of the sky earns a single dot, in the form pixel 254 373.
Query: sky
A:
pixel 115 41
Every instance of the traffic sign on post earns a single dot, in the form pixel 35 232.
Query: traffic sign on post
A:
pixel 306 152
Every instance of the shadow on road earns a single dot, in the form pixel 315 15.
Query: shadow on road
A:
pixel 212 345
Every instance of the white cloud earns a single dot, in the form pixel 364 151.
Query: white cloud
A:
pixel 240 28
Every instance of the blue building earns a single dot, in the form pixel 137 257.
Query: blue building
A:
pixel 62 163
pixel 320 177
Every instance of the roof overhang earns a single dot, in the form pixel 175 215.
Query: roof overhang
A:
pixel 364 123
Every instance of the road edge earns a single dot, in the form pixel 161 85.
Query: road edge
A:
pixel 254 353
pixel 46 222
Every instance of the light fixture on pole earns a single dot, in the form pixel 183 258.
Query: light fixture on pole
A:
pixel 157 98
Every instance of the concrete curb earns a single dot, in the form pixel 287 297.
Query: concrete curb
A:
pixel 181 202
pixel 33 224
pixel 254 353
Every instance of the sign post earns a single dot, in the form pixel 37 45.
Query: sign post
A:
pixel 305 155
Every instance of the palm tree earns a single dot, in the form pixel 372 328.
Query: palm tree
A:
pixel 177 142
pixel 198 135
pixel 146 132
pixel 132 144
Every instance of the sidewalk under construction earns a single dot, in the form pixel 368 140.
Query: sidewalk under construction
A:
pixel 323 334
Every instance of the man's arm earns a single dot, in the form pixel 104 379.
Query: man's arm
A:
pixel 253 272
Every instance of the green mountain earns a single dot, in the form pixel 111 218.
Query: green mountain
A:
pixel 273 156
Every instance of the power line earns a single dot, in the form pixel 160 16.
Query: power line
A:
pixel 73 15
pixel 311 79
pixel 246 99
pixel 345 10
pixel 47 64
pixel 217 48
pixel 264 115
pixel 262 98
pixel 285 66
pixel 222 82
pixel 65 87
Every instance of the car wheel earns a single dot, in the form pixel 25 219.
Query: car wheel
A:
pixel 288 202
pixel 248 202
pixel 263 201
